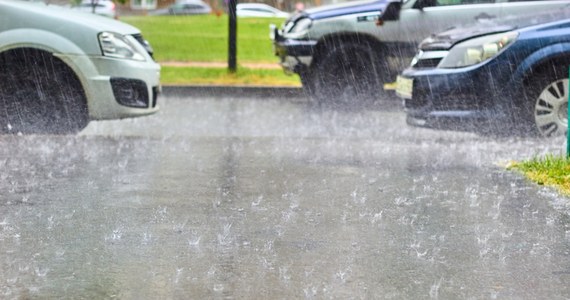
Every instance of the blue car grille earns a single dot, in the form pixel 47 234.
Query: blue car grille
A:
pixel 427 63
pixel 451 100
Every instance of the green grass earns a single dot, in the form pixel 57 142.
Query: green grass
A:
pixel 205 37
pixel 220 76
pixel 550 170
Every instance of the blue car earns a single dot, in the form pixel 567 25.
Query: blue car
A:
pixel 492 78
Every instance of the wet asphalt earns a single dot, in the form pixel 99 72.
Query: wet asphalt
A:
pixel 270 197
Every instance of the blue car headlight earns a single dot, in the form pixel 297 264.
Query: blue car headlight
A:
pixel 477 50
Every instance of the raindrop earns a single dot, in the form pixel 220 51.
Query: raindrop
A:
pixel 224 238
pixel 434 290
pixel 42 272
pixel 257 201
pixel 194 241
pixel 377 217
pixel 218 287
pixel 147 237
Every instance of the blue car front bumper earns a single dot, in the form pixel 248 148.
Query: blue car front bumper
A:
pixel 471 98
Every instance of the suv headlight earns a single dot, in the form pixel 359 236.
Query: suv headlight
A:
pixel 119 46
pixel 302 25
pixel 477 50
pixel 300 28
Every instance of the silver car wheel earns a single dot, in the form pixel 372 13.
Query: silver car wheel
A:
pixel 551 109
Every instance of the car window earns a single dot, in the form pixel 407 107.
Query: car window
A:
pixel 91 5
pixel 192 6
pixel 257 9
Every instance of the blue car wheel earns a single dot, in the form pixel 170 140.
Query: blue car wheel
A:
pixel 551 109
pixel 546 105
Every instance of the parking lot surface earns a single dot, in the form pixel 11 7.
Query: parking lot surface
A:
pixel 220 197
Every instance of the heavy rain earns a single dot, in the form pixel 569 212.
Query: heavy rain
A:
pixel 271 198
pixel 114 184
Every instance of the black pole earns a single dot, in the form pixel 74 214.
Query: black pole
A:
pixel 232 47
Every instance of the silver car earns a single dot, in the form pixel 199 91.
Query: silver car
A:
pixel 62 69
pixel 105 8
pixel 189 7
pixel 259 10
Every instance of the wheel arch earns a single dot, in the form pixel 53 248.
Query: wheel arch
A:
pixel 73 57
pixel 527 82
pixel 41 39
pixel 28 52
pixel 557 55
pixel 57 45
pixel 332 41
pixel 22 52
pixel 43 73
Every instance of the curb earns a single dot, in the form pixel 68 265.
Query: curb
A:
pixel 220 65
pixel 233 91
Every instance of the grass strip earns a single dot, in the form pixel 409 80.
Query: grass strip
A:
pixel 221 76
pixel 205 37
pixel 550 170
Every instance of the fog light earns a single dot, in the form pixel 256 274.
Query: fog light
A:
pixel 130 92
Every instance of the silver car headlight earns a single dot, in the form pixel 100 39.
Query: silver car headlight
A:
pixel 477 50
pixel 119 46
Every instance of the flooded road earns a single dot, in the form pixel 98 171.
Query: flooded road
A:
pixel 276 199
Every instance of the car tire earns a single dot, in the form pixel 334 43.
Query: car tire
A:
pixel 545 109
pixel 350 74
pixel 308 83
pixel 40 94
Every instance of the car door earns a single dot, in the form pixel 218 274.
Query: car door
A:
pixel 425 17
pixel 523 7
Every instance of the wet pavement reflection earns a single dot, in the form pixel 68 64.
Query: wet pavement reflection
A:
pixel 274 198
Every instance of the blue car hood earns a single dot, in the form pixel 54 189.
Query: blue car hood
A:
pixel 445 40
pixel 336 10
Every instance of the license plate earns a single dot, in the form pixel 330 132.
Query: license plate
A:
pixel 404 87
